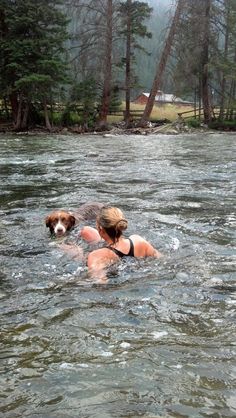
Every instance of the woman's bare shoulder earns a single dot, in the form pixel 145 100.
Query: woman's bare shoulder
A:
pixel 137 238
pixel 102 253
pixel 143 248
pixel 90 234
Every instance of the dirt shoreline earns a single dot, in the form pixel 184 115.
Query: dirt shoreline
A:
pixel 172 128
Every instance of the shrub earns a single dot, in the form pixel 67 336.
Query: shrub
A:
pixel 224 125
pixel 115 103
pixel 70 117
pixel 56 118
pixel 193 123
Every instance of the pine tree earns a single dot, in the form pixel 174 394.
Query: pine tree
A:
pixel 100 36
pixel 206 102
pixel 133 14
pixel 162 64
pixel 32 64
pixel 205 54
pixel 107 79
pixel 93 48
pixel 225 64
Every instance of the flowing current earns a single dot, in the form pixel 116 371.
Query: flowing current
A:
pixel 159 339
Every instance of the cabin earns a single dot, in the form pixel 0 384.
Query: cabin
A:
pixel 162 99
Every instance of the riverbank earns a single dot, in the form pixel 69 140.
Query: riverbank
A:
pixel 119 128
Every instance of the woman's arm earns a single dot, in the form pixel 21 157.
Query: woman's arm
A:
pixel 152 252
pixel 73 250
pixel 98 261
pixel 90 234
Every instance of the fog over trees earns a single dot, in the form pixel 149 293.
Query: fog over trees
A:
pixel 94 53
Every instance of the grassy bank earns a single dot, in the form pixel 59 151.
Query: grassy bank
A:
pixel 168 111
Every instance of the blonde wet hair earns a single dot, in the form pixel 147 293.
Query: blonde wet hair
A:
pixel 113 221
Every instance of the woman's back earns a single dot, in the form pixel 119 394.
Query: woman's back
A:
pixel 110 226
pixel 134 246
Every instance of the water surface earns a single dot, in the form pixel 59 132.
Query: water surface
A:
pixel 159 338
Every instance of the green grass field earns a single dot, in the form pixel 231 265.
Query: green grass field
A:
pixel 162 112
pixel 168 111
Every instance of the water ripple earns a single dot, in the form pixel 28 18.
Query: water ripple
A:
pixel 159 338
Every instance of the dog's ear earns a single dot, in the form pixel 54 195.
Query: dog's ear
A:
pixel 48 221
pixel 72 220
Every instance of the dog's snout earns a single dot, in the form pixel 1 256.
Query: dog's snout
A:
pixel 60 229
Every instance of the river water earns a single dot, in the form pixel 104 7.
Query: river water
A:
pixel 159 340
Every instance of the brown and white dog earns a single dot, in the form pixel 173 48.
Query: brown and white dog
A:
pixel 61 221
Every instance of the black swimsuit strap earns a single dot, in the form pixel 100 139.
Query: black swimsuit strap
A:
pixel 120 254
pixel 131 250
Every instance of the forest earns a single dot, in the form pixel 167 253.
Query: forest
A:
pixel 65 62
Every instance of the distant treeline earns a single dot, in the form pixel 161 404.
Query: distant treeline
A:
pixel 96 52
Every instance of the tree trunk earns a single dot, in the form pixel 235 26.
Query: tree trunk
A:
pixel 46 115
pixel 14 106
pixel 106 95
pixel 25 116
pixel 6 108
pixel 232 110
pixel 17 125
pixel 128 64
pixel 199 96
pixel 231 100
pixel 162 64
pixel 205 61
pixel 13 96
pixel 195 103
pixel 226 46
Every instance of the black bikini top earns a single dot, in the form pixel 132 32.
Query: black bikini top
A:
pixel 120 254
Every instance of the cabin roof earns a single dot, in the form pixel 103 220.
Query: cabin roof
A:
pixel 164 97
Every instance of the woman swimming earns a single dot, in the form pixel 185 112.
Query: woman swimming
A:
pixel 110 226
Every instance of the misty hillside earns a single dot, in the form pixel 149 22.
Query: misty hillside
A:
pixel 158 25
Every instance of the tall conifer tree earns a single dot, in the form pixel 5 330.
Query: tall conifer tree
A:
pixel 133 14
pixel 32 65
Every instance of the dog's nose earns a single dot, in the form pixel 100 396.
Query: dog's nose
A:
pixel 60 231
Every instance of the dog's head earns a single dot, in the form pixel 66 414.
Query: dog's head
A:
pixel 59 222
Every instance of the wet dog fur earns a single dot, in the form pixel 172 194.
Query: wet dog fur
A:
pixel 60 222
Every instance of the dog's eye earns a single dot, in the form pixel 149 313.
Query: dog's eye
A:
pixel 55 221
